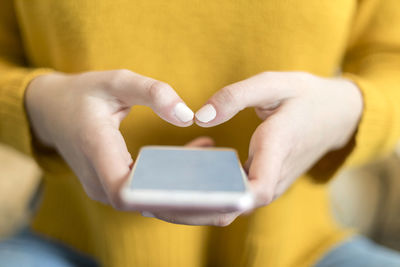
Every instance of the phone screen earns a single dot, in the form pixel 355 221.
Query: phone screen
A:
pixel 188 169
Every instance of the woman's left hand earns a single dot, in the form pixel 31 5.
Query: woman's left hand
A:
pixel 304 117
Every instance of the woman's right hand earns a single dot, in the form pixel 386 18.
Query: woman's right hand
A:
pixel 79 115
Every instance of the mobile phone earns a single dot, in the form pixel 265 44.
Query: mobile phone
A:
pixel 186 178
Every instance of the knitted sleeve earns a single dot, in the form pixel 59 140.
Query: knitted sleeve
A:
pixel 372 62
pixel 15 75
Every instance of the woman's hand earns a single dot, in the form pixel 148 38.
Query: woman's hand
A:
pixel 79 115
pixel 304 117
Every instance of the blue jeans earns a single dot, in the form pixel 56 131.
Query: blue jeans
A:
pixel 359 251
pixel 28 249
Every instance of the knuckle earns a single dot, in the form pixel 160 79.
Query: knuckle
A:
pixel 232 94
pixel 117 78
pixel 270 75
pixel 156 90
pixel 267 74
pixel 117 203
pixel 265 197
pixel 95 194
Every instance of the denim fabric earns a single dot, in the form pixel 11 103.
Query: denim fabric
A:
pixel 359 251
pixel 28 249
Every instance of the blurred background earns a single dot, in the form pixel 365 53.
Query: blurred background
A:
pixel 366 198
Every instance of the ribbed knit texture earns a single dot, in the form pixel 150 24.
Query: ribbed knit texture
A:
pixel 198 47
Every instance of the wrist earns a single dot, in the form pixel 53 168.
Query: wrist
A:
pixel 37 108
pixel 351 103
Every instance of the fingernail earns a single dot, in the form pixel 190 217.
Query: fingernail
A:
pixel 148 214
pixel 206 113
pixel 183 112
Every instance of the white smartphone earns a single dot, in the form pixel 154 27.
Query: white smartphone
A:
pixel 183 178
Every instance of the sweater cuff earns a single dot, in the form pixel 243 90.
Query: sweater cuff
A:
pixel 371 139
pixel 14 124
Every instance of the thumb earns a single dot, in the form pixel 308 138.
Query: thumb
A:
pixel 131 89
pixel 265 91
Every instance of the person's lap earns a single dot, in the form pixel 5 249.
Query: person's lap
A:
pixel 359 251
pixel 30 249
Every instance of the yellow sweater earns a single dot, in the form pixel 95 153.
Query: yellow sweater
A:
pixel 198 47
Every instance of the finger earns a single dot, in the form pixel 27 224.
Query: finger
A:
pixel 203 141
pixel 264 165
pixel 263 177
pixel 92 185
pixel 195 218
pixel 265 90
pixel 86 174
pixel 107 152
pixel 134 89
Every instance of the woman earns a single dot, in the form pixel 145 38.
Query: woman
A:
pixel 323 77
